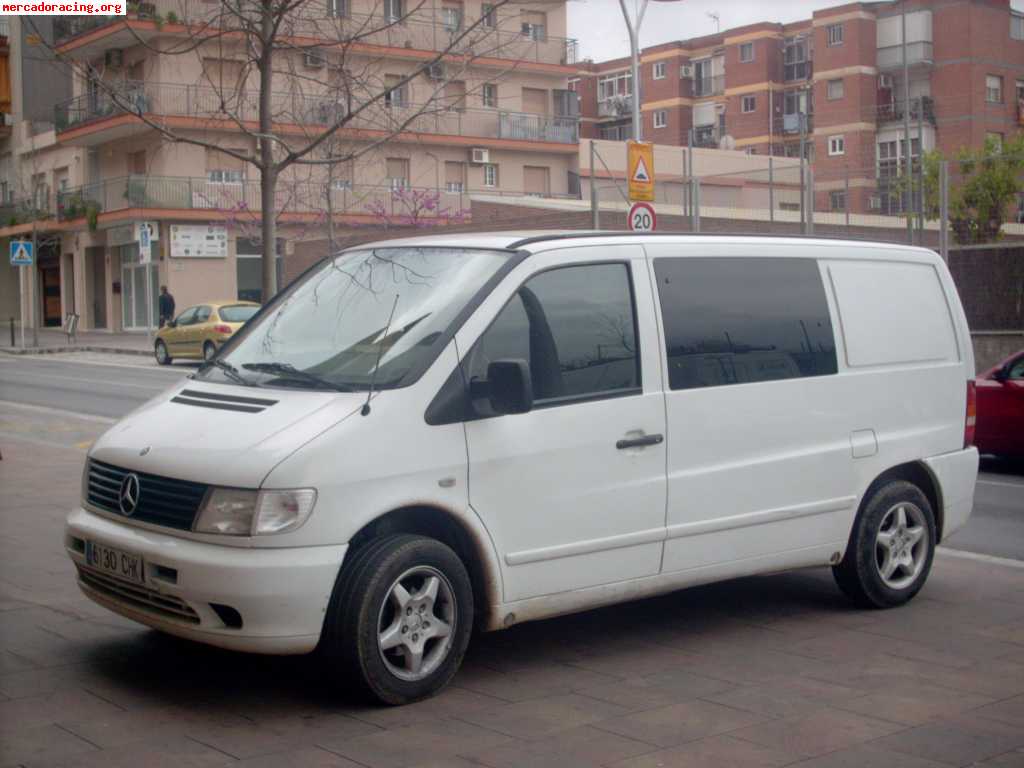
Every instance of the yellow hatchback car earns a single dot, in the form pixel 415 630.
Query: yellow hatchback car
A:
pixel 198 332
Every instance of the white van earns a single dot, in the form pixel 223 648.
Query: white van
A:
pixel 424 436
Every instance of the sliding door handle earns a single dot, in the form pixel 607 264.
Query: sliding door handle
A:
pixel 639 442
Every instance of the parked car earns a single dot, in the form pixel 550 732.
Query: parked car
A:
pixel 422 436
pixel 199 331
pixel 1000 427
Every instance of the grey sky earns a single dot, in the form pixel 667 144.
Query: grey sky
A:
pixel 598 25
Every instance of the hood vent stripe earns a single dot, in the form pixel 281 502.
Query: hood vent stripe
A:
pixel 219 406
pixel 227 398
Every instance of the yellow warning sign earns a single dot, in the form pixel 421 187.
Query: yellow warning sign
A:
pixel 640 157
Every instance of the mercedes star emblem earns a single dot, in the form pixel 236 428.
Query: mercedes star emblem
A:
pixel 128 498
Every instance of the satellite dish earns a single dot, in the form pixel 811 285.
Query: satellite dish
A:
pixel 727 142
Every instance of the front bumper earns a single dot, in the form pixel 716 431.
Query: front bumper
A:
pixel 281 595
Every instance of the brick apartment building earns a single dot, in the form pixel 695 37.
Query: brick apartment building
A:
pixel 832 83
pixel 493 115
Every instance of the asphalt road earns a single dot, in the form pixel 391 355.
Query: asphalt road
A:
pixel 111 385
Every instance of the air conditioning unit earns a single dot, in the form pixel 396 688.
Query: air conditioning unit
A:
pixel 480 156
pixel 885 81
pixel 436 71
pixel 114 58
pixel 686 71
pixel 875 202
pixel 314 59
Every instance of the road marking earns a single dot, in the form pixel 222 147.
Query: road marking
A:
pixel 147 368
pixel 964 555
pixel 84 445
pixel 56 412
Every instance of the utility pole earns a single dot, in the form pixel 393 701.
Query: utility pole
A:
pixel 920 170
pixel 771 150
pixel 33 278
pixel 803 168
pixel 944 210
pixel 595 216
pixel 906 121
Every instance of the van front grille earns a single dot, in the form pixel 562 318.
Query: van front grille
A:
pixel 161 500
pixel 138 596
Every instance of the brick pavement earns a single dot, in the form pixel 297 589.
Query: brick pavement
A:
pixel 767 671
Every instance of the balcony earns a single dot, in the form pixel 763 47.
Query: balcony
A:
pixel 615 106
pixel 420 30
pixel 791 124
pixel 918 54
pixel 708 86
pixel 893 111
pixel 296 113
pixel 241 199
pixel 707 136
pixel 798 71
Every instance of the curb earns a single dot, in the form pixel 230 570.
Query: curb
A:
pixel 76 348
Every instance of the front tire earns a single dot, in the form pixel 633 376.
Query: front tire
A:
pixel 163 357
pixel 891 547
pixel 400 618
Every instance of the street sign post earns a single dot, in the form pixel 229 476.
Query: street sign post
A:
pixel 640 165
pixel 642 217
pixel 23 254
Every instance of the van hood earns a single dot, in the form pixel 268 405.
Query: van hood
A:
pixel 221 434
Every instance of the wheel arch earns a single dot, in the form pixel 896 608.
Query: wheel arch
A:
pixel 471 545
pixel 918 474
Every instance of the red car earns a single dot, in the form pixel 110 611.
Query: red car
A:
pixel 1000 392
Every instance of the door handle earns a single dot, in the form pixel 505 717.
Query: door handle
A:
pixel 639 442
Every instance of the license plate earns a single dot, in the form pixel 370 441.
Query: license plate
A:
pixel 122 565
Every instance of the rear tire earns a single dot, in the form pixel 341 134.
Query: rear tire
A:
pixel 400 619
pixel 209 351
pixel 891 547
pixel 163 357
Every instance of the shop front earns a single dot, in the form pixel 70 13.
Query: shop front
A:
pixel 140 278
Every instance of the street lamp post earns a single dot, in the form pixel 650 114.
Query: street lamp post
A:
pixel 633 27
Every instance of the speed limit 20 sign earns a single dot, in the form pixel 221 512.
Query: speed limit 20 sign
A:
pixel 642 218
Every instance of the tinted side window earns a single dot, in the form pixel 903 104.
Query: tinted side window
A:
pixel 575 326
pixel 732 321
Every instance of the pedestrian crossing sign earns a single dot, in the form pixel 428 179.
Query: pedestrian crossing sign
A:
pixel 640 163
pixel 21 253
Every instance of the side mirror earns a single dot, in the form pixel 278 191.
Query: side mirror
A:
pixel 510 389
pixel 1003 374
pixel 171 323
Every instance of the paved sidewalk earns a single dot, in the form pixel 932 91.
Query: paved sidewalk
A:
pixel 767 671
pixel 53 340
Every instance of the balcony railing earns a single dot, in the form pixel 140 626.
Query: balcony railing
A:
pixel 794 122
pixel 206 103
pixel 798 70
pixel 923 106
pixel 242 198
pixel 891 57
pixel 708 86
pixel 420 29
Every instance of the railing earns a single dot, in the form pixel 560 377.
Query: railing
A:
pixel 706 136
pixel 923 106
pixel 791 123
pixel 418 30
pixel 203 102
pixel 891 57
pixel 798 70
pixel 243 198
pixel 708 86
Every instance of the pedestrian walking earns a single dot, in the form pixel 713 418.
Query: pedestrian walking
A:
pixel 166 306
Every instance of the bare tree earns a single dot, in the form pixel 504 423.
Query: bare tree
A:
pixel 321 99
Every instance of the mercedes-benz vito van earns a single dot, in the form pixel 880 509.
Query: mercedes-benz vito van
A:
pixel 422 436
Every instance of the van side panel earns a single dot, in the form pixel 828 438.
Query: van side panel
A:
pixel 892 313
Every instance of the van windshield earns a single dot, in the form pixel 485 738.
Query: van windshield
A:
pixel 377 315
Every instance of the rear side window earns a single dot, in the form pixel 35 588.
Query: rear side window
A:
pixel 575 326
pixel 741 320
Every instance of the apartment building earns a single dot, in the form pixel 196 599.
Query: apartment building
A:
pixel 831 86
pixel 164 110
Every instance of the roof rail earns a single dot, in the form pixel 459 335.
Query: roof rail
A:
pixel 582 234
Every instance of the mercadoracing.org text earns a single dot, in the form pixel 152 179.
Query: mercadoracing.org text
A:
pixel 59 9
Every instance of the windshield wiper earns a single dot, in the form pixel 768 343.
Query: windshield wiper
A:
pixel 287 370
pixel 229 371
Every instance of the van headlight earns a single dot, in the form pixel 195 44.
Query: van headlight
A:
pixel 238 512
